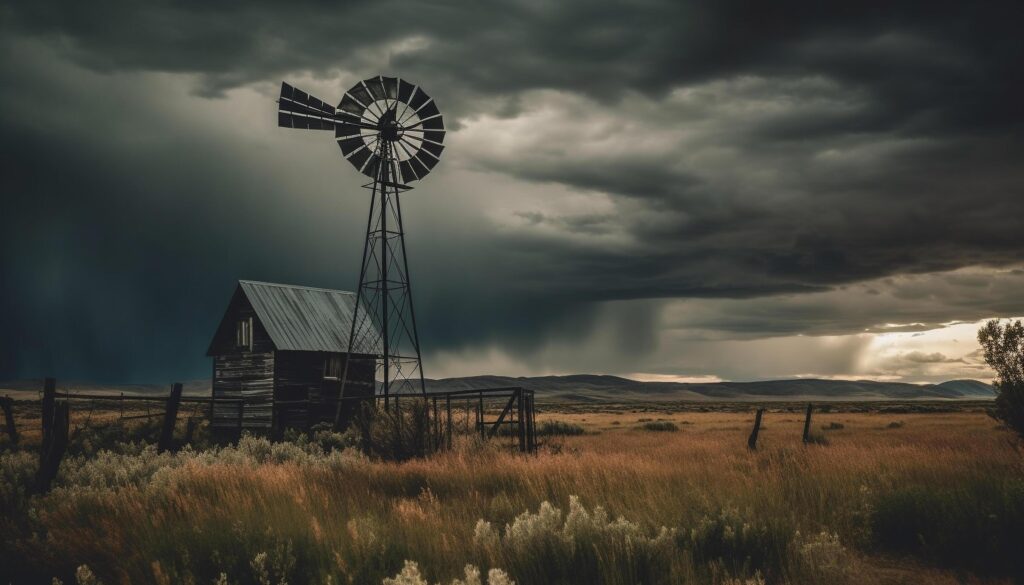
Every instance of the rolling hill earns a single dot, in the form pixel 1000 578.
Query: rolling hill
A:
pixel 597 388
pixel 602 388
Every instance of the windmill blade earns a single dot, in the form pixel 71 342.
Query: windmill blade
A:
pixel 428 111
pixel 349 105
pixel 418 99
pixel 434 136
pixel 434 149
pixel 298 109
pixel 358 158
pixel 435 123
pixel 427 160
pixel 405 90
pixel 419 167
pixel 390 87
pixel 361 95
pixel 350 145
pixel 408 174
pixel 376 87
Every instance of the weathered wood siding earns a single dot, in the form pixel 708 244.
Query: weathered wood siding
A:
pixel 360 383
pixel 249 377
pixel 300 377
pixel 239 373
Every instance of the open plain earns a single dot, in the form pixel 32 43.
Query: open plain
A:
pixel 628 493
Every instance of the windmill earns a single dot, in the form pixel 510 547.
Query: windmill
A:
pixel 391 131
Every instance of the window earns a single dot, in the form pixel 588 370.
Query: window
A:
pixel 243 335
pixel 333 367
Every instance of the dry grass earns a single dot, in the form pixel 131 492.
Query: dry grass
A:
pixel 357 521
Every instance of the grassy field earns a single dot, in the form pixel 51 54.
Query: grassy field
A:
pixel 895 497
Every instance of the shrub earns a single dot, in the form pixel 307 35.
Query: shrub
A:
pixel 398 433
pixel 976 526
pixel 733 540
pixel 817 439
pixel 896 424
pixel 833 426
pixel 410 575
pixel 1003 348
pixel 584 547
pixel 551 428
pixel 660 426
pixel 17 471
pixel 821 558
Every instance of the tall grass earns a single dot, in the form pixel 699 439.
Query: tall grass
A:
pixel 622 506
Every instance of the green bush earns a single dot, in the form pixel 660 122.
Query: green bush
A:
pixel 976 527
pixel 817 439
pixel 398 433
pixel 660 426
pixel 551 428
pixel 1003 348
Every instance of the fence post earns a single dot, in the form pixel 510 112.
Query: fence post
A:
pixel 807 423
pixel 520 423
pixel 241 416
pixel 54 451
pixel 49 398
pixel 480 416
pixel 448 407
pixel 531 424
pixel 8 405
pixel 190 429
pixel 752 441
pixel 170 417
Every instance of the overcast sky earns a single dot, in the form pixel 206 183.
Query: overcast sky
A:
pixel 660 189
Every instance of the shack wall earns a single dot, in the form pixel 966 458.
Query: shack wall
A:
pixel 305 397
pixel 242 373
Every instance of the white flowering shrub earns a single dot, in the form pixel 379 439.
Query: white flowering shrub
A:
pixel 17 471
pixel 410 575
pixel 85 576
pixel 138 465
pixel 823 558
pixel 730 538
pixel 584 546
pixel 757 579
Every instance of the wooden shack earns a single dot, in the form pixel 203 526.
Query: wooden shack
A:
pixel 278 358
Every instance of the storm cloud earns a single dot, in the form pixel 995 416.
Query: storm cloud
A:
pixel 626 188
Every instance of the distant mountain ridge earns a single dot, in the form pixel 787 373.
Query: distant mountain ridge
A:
pixel 605 388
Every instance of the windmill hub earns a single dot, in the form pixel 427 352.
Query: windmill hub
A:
pixel 389 128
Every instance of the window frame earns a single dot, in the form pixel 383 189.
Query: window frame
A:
pixel 243 333
pixel 333 359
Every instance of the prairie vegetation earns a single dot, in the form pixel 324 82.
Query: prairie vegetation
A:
pixel 938 498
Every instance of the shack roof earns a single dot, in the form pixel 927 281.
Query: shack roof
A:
pixel 303 318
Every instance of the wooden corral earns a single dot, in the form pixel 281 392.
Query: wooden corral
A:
pixel 278 356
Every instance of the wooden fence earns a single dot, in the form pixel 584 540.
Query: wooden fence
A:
pixel 490 413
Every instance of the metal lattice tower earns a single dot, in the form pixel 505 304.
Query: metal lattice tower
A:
pixel 393 132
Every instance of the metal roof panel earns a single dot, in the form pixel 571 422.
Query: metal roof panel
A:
pixel 301 318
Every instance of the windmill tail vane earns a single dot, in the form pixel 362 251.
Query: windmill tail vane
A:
pixel 391 131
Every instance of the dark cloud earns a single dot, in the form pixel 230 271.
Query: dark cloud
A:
pixel 772 152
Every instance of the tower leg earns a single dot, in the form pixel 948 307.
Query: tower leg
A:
pixel 384 321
